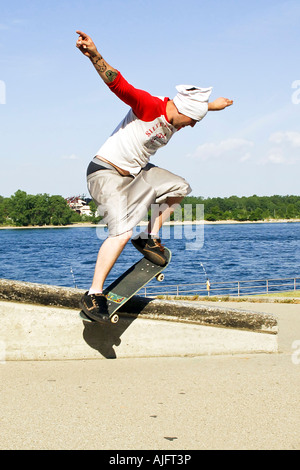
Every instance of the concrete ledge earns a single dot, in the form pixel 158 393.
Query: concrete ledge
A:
pixel 41 322
pixel 39 293
pixel 176 310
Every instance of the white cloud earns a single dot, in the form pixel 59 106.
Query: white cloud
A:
pixel 245 157
pixel 285 148
pixel 275 156
pixel 235 147
pixel 290 137
pixel 281 148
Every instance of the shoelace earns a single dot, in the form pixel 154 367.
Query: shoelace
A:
pixel 158 243
pixel 95 298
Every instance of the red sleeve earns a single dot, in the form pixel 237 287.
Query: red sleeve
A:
pixel 145 106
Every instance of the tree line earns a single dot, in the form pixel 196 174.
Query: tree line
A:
pixel 252 208
pixel 22 209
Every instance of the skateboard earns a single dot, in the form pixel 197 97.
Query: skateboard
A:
pixel 128 284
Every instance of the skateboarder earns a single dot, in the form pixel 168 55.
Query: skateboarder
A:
pixel 120 178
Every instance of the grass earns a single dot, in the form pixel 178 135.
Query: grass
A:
pixel 290 294
pixel 282 297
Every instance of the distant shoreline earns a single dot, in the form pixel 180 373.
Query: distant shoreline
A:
pixel 199 222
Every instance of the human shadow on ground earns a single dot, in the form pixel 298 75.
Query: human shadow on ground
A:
pixel 103 337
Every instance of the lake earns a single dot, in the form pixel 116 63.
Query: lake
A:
pixel 225 252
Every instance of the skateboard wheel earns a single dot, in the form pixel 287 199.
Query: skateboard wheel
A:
pixel 114 318
pixel 160 277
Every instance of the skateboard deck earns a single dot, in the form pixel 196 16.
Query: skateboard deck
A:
pixel 128 284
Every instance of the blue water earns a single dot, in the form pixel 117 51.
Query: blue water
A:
pixel 229 253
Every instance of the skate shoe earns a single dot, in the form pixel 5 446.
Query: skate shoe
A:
pixel 151 248
pixel 95 306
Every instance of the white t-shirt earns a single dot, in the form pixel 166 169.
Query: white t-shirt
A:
pixel 142 132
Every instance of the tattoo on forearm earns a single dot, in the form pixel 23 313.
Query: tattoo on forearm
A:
pixel 111 75
pixel 99 64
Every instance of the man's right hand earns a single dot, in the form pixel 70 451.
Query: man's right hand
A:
pixel 88 48
pixel 86 45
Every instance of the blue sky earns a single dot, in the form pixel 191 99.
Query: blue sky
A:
pixel 55 112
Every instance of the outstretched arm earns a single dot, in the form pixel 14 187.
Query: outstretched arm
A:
pixel 219 103
pixel 88 48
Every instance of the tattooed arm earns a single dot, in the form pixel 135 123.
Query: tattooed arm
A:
pixel 88 48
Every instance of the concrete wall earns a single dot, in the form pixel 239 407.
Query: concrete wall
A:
pixel 42 322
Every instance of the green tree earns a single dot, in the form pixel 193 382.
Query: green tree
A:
pixel 256 214
pixel 24 209
pixel 3 214
pixel 40 214
pixel 60 212
pixel 19 208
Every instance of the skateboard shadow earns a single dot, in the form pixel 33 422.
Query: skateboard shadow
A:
pixel 104 337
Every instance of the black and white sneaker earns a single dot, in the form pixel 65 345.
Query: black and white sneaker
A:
pixel 95 306
pixel 151 248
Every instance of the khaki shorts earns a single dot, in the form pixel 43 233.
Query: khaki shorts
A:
pixel 125 200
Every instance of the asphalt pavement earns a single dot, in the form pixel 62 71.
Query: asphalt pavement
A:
pixel 219 402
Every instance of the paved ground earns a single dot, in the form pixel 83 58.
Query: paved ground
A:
pixel 216 402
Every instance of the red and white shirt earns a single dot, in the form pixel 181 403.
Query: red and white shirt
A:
pixel 142 132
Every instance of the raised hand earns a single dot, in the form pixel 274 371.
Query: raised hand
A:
pixel 86 45
pixel 219 104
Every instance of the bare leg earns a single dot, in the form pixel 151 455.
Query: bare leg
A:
pixel 108 254
pixel 155 225
pixel 112 247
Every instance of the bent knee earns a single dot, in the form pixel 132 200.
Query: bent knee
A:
pixel 123 238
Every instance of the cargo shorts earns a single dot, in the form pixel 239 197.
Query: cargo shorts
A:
pixel 124 201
